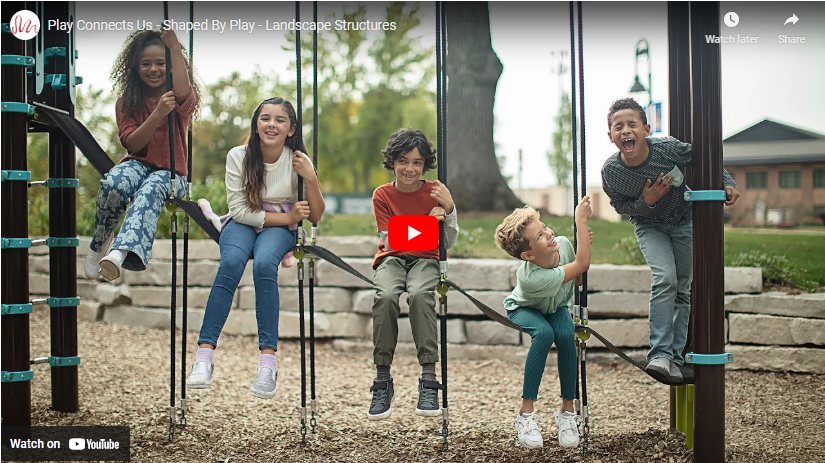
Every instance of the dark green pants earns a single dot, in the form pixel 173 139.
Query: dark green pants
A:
pixel 418 277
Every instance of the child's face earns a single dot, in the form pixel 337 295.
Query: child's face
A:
pixel 544 250
pixel 409 167
pixel 152 67
pixel 627 132
pixel 273 125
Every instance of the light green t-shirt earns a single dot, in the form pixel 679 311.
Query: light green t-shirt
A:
pixel 542 288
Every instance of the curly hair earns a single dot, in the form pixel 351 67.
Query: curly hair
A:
pixel 129 87
pixel 511 234
pixel 253 164
pixel 405 140
pixel 625 103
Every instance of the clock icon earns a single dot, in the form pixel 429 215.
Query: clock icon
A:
pixel 731 19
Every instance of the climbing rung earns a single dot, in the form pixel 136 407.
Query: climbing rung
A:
pixel 16 309
pixel 63 301
pixel 64 361
pixel 57 183
pixel 706 195
pixel 16 175
pixel 54 242
pixel 709 359
pixel 15 243
pixel 15 376
pixel 17 60
pixel 17 107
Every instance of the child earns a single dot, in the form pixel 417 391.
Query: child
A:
pixel 260 174
pixel 538 305
pixel 645 181
pixel 408 154
pixel 142 176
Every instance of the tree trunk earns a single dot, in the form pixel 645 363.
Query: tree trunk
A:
pixel 473 70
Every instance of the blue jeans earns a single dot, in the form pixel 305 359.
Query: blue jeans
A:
pixel 147 189
pixel 668 250
pixel 239 243
pixel 544 330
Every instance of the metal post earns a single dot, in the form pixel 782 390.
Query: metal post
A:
pixel 62 215
pixel 16 403
pixel 708 254
pixel 679 115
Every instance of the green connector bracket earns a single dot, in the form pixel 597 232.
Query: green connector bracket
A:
pixel 6 28
pixel 62 183
pixel 17 60
pixel 706 195
pixel 16 309
pixel 54 51
pixel 442 288
pixel 16 243
pixel 13 175
pixel 16 376
pixel 64 361
pixel 57 81
pixel 709 359
pixel 63 301
pixel 18 107
pixel 62 242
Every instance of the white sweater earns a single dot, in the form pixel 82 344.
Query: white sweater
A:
pixel 280 185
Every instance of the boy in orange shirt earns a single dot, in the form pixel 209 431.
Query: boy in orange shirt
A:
pixel 409 155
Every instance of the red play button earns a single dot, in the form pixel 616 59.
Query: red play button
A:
pixel 413 233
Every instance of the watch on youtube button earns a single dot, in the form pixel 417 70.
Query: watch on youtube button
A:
pixel 413 233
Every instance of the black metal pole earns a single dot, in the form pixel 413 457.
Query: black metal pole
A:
pixel 679 109
pixel 709 412
pixel 16 403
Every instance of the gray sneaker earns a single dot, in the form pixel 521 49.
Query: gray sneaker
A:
pixel 201 376
pixel 676 373
pixel 266 382
pixel 428 398
pixel 659 368
pixel 382 395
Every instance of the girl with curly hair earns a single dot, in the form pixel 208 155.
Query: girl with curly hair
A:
pixel 142 178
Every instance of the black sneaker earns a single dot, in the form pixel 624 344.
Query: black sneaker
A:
pixel 428 398
pixel 382 396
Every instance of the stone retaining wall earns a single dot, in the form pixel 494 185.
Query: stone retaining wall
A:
pixel 773 331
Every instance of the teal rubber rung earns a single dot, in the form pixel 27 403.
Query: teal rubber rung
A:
pixel 62 183
pixel 706 195
pixel 16 309
pixel 709 359
pixel 17 60
pixel 16 243
pixel 53 242
pixel 64 361
pixel 6 27
pixel 63 301
pixel 13 175
pixel 16 376
pixel 17 107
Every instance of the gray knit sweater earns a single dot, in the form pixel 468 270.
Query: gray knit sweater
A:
pixel 624 184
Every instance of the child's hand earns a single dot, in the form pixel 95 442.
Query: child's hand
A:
pixel 303 167
pixel 733 195
pixel 583 210
pixel 590 232
pixel 165 105
pixel 299 211
pixel 170 39
pixel 653 193
pixel 439 213
pixel 441 194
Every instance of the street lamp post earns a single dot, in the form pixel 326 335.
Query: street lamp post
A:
pixel 643 48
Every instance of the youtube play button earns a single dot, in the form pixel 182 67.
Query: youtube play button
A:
pixel 413 233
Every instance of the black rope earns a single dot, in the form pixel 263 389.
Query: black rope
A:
pixel 185 299
pixel 299 110
pixel 312 421
pixel 173 219
pixel 574 134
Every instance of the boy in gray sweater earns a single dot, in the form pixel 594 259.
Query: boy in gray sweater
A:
pixel 645 180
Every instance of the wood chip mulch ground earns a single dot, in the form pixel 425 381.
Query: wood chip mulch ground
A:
pixel 124 380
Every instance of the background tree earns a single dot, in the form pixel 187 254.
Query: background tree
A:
pixel 560 159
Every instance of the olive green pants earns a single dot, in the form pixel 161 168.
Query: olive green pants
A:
pixel 418 277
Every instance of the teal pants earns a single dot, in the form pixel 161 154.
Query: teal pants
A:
pixel 544 330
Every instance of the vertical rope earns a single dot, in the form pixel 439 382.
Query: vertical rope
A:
pixel 173 218
pixel 299 133
pixel 583 144
pixel 312 421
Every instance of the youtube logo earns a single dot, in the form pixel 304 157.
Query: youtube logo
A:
pixel 413 233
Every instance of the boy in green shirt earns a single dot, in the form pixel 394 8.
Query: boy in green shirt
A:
pixel 538 305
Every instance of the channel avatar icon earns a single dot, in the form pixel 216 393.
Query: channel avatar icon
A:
pixel 413 233
pixel 24 24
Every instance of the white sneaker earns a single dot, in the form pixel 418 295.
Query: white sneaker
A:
pixel 528 430
pixel 676 373
pixel 110 268
pixel 92 267
pixel 568 429
pixel 201 376
pixel 265 384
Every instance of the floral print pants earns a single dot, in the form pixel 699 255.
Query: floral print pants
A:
pixel 145 189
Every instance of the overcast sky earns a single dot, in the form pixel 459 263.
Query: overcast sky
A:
pixel 783 82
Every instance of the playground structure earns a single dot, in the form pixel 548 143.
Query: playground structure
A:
pixel 51 106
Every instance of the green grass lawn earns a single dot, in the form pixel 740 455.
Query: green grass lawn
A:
pixel 803 251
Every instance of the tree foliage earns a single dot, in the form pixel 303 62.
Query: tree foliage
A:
pixel 560 159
